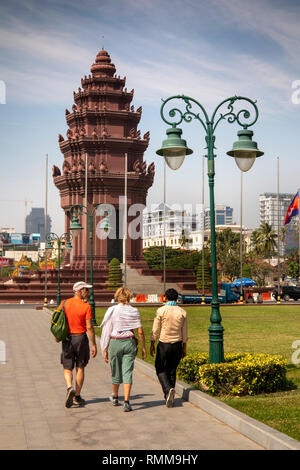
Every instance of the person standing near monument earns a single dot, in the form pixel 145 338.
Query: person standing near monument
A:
pixel 170 328
pixel 76 349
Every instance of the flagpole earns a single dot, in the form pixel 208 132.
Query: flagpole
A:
pixel 278 235
pixel 241 238
pixel 164 232
pixel 203 301
pixel 125 220
pixel 46 229
pixel 86 221
pixel 292 211
pixel 299 235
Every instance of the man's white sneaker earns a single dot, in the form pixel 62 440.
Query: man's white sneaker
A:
pixel 170 398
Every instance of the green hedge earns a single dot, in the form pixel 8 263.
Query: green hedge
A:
pixel 239 374
pixel 114 274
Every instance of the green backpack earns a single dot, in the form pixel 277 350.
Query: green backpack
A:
pixel 59 324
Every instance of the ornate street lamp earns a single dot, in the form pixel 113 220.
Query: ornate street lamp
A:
pixel 76 211
pixel 245 151
pixel 67 238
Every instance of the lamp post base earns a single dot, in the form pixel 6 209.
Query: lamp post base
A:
pixel 216 348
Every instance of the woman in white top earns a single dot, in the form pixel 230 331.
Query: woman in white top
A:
pixel 119 344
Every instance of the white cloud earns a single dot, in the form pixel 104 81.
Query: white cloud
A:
pixel 54 46
pixel 46 65
pixel 279 22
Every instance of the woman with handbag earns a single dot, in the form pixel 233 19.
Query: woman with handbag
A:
pixel 119 344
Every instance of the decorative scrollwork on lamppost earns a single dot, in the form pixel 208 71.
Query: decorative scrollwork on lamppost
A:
pixel 67 239
pixel 245 151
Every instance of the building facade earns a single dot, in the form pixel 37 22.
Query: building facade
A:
pixel 170 220
pixel 270 211
pixel 223 216
pixel 181 230
pixel 274 214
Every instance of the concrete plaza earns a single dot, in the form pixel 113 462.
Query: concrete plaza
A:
pixel 33 415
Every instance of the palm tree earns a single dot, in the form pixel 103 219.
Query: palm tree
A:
pixel 184 240
pixel 228 252
pixel 255 242
pixel 265 240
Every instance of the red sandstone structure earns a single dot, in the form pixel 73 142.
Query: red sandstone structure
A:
pixel 103 125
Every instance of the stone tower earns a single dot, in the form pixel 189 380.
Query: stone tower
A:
pixel 102 127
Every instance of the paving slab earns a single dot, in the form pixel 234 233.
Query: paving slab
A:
pixel 33 415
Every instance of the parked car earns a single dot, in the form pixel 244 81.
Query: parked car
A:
pixel 287 292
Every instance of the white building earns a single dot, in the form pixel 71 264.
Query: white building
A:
pixel 172 220
pixel 7 230
pixel 269 209
pixel 176 221
pixel 17 255
pixel 274 214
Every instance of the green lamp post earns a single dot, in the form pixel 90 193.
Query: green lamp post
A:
pixel 67 239
pixel 76 211
pixel 245 151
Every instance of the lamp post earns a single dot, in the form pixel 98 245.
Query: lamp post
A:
pixel 76 211
pixel 67 238
pixel 174 150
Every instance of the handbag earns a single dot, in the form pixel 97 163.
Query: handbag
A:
pixel 59 324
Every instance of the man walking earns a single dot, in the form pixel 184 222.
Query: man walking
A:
pixel 75 349
pixel 170 328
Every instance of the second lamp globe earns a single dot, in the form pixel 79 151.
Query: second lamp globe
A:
pixel 174 149
pixel 244 150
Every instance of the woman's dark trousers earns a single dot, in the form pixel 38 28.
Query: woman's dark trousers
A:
pixel 168 356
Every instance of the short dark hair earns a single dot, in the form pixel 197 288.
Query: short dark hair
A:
pixel 171 294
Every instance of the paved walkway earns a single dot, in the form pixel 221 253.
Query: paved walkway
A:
pixel 33 415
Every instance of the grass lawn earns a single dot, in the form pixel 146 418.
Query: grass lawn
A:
pixel 256 329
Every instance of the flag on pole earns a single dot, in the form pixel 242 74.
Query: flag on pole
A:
pixel 293 209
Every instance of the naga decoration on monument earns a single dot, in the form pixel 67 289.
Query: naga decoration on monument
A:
pixel 102 129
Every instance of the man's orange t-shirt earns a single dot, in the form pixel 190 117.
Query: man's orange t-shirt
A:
pixel 77 312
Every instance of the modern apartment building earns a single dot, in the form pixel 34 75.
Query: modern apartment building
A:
pixel 274 214
pixel 269 209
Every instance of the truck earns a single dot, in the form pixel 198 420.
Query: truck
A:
pixel 228 294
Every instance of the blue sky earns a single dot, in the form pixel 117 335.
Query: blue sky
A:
pixel 209 50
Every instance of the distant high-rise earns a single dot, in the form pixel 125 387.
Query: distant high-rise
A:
pixel 274 215
pixel 35 222
pixel 268 208
pixel 223 216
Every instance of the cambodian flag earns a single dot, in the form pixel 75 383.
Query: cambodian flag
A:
pixel 293 209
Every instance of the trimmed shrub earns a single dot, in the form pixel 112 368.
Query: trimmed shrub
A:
pixel 239 374
pixel 114 274
pixel 206 277
pixel 188 369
